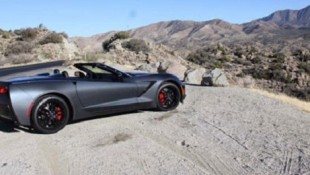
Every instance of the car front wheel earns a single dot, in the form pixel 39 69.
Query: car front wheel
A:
pixel 168 97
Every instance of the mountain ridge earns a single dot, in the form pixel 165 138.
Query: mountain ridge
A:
pixel 179 34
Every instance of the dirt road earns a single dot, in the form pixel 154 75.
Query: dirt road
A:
pixel 216 131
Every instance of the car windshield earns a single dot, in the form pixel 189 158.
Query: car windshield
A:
pixel 96 70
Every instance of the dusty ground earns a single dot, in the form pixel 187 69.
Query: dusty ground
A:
pixel 216 131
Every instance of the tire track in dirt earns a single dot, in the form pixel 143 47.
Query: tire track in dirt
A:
pixel 207 163
pixel 52 154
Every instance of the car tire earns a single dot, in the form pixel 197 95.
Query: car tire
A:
pixel 168 97
pixel 50 114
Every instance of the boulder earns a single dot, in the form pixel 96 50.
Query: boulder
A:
pixel 247 82
pixel 172 67
pixel 151 68
pixel 215 77
pixel 194 76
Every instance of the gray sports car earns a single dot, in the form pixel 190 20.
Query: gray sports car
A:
pixel 48 102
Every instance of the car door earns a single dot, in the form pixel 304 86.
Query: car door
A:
pixel 103 95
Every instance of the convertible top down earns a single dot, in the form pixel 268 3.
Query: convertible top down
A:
pixel 48 102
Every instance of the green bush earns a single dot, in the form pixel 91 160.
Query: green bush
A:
pixel 136 45
pixel 217 64
pixel 121 35
pixel 18 48
pixel 52 38
pixel 199 57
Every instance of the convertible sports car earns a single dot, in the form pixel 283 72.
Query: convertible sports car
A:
pixel 48 102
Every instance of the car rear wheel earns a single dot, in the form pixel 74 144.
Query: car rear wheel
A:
pixel 50 114
pixel 168 97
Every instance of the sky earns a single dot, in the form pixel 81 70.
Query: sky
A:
pixel 90 17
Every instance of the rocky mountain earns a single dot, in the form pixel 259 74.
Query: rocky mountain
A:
pixel 188 35
pixel 290 18
pixel 175 34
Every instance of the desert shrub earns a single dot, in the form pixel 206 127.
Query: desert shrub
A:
pixel 242 61
pixel 29 34
pixel 276 66
pixel 106 44
pixel 21 58
pixel 119 35
pixel 275 72
pixel 52 38
pixel 91 57
pixel 5 35
pixel 199 57
pixel 279 58
pixel 303 93
pixel 136 45
pixel 257 60
pixel 304 57
pixel 64 34
pixel 260 73
pixel 241 75
pixel 305 67
pixel 17 31
pixel 18 48
pixel 225 58
pixel 217 64
pixel 238 52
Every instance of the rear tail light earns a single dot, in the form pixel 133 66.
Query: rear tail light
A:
pixel 3 90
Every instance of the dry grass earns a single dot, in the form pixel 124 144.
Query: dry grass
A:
pixel 303 105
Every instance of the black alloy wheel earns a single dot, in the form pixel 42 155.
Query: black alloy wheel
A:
pixel 168 97
pixel 50 114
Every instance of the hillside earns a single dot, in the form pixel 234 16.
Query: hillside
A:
pixel 34 45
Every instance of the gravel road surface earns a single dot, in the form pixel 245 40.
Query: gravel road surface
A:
pixel 216 131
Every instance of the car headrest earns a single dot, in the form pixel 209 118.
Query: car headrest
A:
pixel 65 74
pixel 79 74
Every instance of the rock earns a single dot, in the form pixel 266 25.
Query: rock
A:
pixel 172 67
pixel 151 68
pixel 216 77
pixel 247 82
pixel 116 45
pixel 194 76
pixel 163 66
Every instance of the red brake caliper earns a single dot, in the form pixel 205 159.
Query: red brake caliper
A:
pixel 162 98
pixel 59 113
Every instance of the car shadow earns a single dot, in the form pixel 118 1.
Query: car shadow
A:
pixel 7 127
pixel 105 116
pixel 10 127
